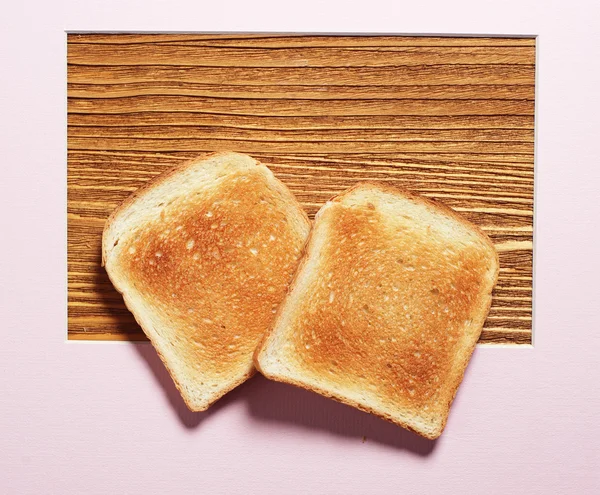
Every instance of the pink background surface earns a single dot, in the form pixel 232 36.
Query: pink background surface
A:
pixel 105 418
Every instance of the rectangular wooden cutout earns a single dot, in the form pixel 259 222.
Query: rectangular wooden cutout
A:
pixel 451 118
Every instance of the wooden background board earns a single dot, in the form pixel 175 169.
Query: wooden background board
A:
pixel 449 118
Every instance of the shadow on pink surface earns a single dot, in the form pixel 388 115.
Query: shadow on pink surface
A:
pixel 284 404
pixel 188 418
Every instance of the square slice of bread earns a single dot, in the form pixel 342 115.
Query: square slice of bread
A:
pixel 203 256
pixel 386 307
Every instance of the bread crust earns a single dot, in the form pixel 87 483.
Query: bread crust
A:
pixel 149 299
pixel 263 361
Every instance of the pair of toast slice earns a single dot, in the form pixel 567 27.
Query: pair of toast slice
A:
pixel 379 305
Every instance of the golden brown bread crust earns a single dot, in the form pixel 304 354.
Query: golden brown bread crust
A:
pixel 380 319
pixel 204 269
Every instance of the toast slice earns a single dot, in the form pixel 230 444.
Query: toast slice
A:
pixel 386 307
pixel 203 256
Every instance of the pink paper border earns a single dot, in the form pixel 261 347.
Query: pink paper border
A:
pixel 103 417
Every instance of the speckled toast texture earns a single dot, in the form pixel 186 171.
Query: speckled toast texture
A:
pixel 386 307
pixel 203 256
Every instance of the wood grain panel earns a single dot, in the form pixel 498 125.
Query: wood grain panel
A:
pixel 451 118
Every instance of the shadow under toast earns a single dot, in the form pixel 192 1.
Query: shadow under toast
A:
pixel 298 408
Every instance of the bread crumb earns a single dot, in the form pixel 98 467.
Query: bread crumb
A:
pixel 331 297
pixel 132 250
pixel 190 244
pixel 254 251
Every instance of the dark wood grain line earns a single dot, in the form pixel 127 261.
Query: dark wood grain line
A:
pixel 209 145
pixel 365 76
pixel 332 185
pixel 354 43
pixel 295 39
pixel 182 55
pixel 306 92
pixel 340 179
pixel 505 337
pixel 293 107
pixel 363 135
pixel 181 46
pixel 336 177
pixel 517 164
pixel 317 122
pixel 86 193
pixel 345 161
pixel 393 158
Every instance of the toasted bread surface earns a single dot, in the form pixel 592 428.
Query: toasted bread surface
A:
pixel 203 256
pixel 386 306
